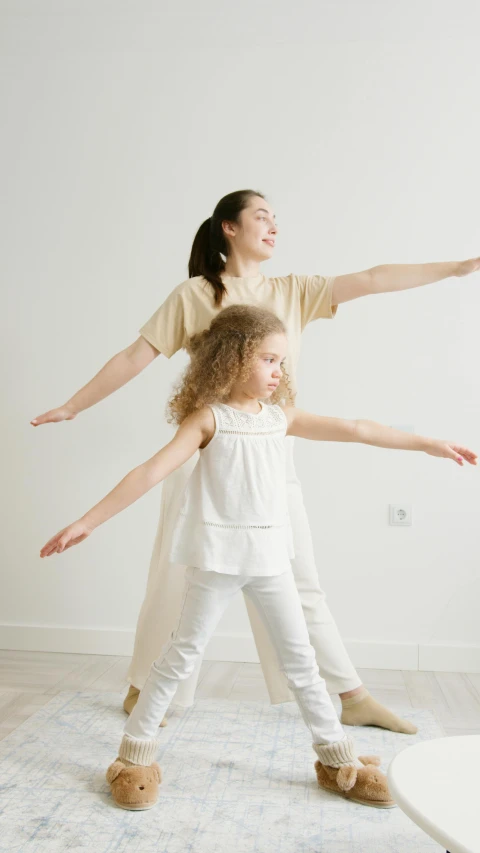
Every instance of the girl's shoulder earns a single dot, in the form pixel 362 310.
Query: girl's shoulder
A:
pixel 202 419
pixel 205 417
pixel 288 411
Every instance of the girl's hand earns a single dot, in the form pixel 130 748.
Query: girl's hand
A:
pixel 448 450
pixel 71 535
pixel 467 267
pixel 54 416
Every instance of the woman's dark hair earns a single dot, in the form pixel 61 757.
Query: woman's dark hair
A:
pixel 210 243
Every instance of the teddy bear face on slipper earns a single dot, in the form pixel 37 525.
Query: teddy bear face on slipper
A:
pixel 134 786
pixel 367 785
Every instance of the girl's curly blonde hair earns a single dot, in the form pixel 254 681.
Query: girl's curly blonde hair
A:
pixel 222 355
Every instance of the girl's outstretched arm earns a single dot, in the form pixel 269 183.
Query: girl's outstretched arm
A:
pixel 306 425
pixel 113 375
pixel 388 278
pixel 195 430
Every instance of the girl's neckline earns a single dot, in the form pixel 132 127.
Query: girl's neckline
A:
pixel 243 412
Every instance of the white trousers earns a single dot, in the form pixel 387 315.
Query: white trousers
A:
pixel 164 595
pixel 206 596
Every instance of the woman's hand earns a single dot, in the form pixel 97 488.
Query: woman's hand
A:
pixel 467 267
pixel 113 375
pixel 54 416
pixel 71 535
pixel 448 450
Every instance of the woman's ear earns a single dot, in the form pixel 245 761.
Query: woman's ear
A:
pixel 228 228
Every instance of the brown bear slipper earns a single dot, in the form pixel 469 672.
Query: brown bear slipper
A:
pixel 365 785
pixel 134 786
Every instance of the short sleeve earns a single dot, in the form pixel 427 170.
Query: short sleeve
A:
pixel 315 297
pixel 165 329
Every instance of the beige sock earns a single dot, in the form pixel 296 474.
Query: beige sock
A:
pixel 363 710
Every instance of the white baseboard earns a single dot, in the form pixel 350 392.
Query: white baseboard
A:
pixel 240 647
pixel 58 638
pixel 378 655
pixel 452 658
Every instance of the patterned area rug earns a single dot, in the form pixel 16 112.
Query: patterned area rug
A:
pixel 238 776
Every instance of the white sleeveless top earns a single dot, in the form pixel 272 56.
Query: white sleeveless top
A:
pixel 234 516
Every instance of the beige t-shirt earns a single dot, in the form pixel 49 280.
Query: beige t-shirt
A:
pixel 190 308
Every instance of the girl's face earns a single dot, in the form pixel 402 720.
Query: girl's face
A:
pixel 254 236
pixel 267 371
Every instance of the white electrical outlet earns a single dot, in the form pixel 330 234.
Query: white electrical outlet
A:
pixel 400 515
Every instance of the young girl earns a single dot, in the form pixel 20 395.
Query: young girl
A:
pixel 225 268
pixel 233 533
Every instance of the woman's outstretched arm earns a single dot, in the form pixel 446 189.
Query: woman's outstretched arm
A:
pixel 125 365
pixel 393 277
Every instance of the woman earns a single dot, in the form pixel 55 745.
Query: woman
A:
pixel 224 269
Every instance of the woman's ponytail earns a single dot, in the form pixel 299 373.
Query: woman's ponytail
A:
pixel 210 242
pixel 206 261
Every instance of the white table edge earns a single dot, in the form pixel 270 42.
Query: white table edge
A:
pixel 420 820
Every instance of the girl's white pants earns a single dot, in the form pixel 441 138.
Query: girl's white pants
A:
pixel 205 598
pixel 164 595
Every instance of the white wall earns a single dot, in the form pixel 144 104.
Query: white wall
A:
pixel 124 125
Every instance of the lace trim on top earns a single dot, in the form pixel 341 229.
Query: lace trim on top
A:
pixel 242 526
pixel 269 421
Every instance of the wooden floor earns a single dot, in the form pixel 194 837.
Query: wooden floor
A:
pixel 28 680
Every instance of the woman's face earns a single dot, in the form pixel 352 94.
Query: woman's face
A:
pixel 254 236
